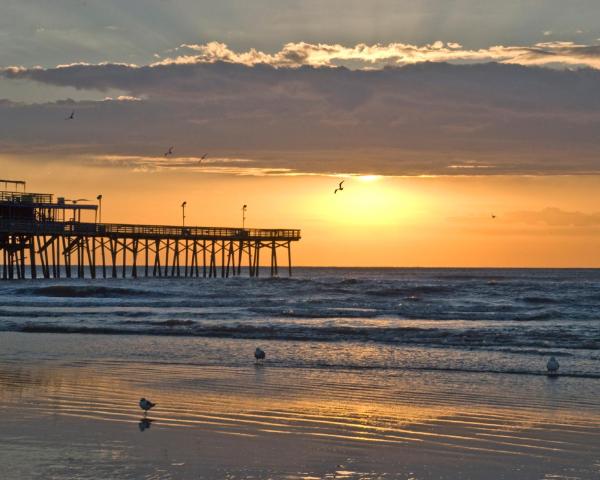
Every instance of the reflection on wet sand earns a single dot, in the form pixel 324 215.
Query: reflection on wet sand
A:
pixel 145 423
pixel 341 407
pixel 481 416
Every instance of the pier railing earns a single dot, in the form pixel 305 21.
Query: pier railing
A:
pixel 144 231
pixel 27 198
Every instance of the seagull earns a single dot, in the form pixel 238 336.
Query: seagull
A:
pixel 340 187
pixel 493 216
pixel 146 405
pixel 259 354
pixel 552 366
pixel 169 152
pixel 72 116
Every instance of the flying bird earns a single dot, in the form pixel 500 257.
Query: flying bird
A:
pixel 169 152
pixel 339 187
pixel 146 405
pixel 72 116
pixel 78 200
pixel 552 366
pixel 259 354
pixel 203 157
pixel 493 216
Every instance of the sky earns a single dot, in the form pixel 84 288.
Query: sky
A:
pixel 439 115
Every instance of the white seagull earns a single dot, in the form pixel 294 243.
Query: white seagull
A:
pixel 146 405
pixel 552 366
pixel 339 187
pixel 259 354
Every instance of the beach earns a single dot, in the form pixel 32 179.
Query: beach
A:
pixel 65 418
pixel 408 374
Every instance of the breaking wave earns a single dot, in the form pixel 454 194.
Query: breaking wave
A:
pixel 438 337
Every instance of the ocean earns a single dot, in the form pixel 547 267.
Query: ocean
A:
pixel 472 320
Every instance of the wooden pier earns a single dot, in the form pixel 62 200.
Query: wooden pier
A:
pixel 40 238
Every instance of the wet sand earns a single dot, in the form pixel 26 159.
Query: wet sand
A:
pixel 79 419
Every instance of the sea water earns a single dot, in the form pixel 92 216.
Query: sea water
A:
pixel 486 320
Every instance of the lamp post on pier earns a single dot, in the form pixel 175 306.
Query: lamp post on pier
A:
pixel 244 208
pixel 99 198
pixel 183 212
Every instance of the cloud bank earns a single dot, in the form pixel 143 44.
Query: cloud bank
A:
pixel 363 56
pixel 295 111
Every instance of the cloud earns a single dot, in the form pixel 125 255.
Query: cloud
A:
pixel 123 98
pixel 363 56
pixel 427 118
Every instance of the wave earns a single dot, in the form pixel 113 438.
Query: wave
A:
pixel 83 291
pixel 430 368
pixel 165 323
pixel 409 291
pixel 65 315
pixel 324 365
pixel 433 337
pixel 541 300
pixel 316 313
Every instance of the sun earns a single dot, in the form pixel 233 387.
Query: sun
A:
pixel 366 200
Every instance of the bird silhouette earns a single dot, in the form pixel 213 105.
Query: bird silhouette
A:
pixel 146 405
pixel 339 187
pixel 493 216
pixel 72 116
pixel 169 152
pixel 552 366
pixel 203 157
pixel 259 354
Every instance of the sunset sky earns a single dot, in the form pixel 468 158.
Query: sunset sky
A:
pixel 438 114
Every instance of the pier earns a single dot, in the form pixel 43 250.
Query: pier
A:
pixel 41 237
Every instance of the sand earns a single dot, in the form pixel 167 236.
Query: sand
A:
pixel 62 418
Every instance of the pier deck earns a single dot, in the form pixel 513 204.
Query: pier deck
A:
pixel 36 241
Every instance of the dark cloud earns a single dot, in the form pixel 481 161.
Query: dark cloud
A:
pixel 429 118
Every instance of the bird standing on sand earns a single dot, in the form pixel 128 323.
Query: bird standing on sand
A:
pixel 169 152
pixel 339 187
pixel 146 405
pixel 259 354
pixel 552 366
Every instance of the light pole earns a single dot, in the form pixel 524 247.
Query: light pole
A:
pixel 183 212
pixel 244 208
pixel 99 198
